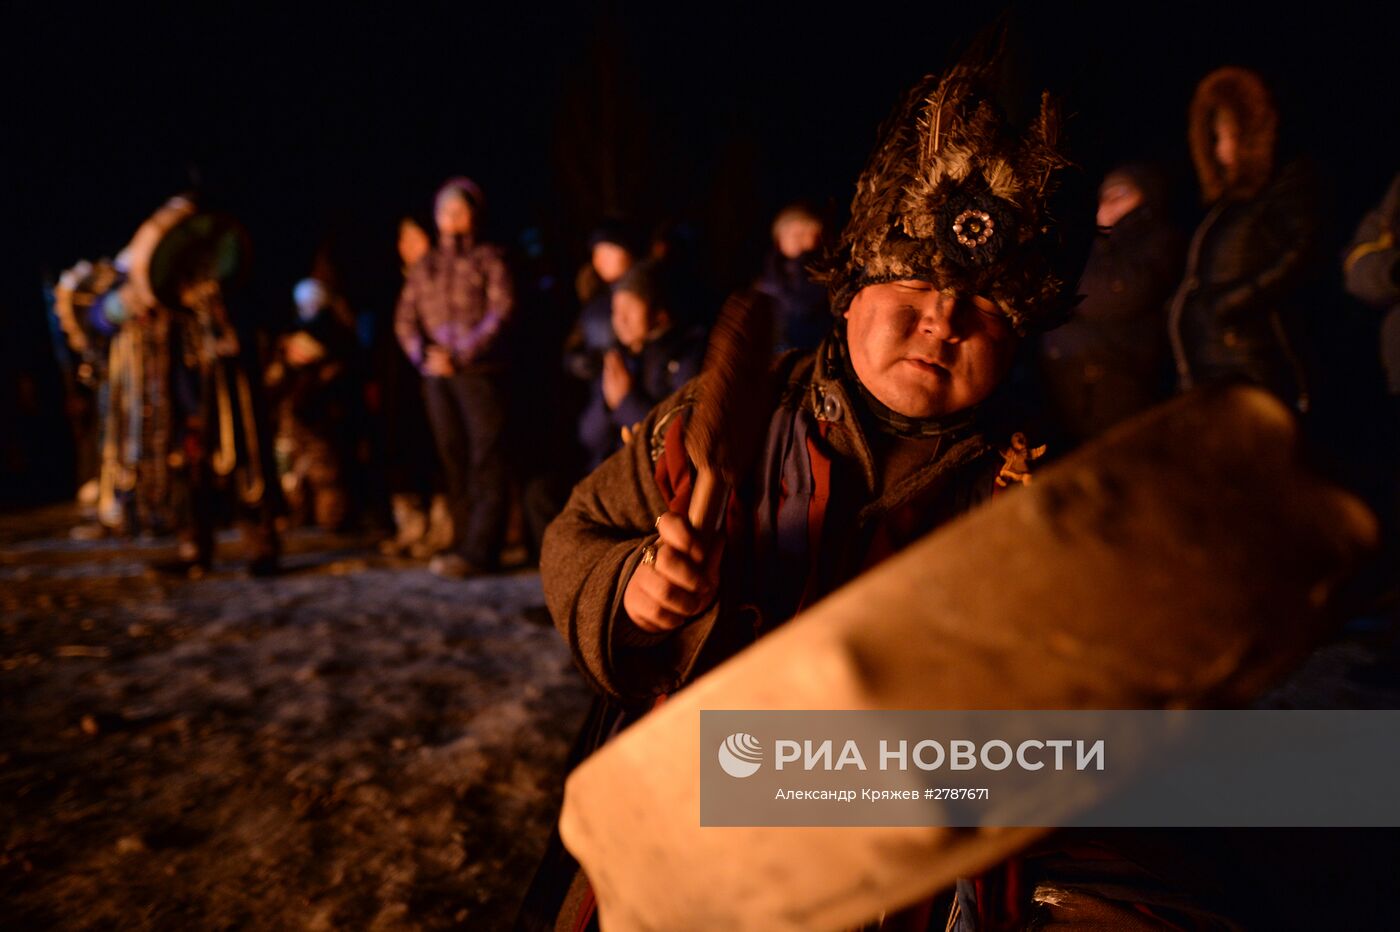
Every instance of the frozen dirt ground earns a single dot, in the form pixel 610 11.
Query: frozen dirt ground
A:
pixel 352 744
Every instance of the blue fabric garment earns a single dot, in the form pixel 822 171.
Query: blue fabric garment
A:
pixel 664 365
pixel 781 531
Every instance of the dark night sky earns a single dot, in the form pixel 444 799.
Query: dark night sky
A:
pixel 318 126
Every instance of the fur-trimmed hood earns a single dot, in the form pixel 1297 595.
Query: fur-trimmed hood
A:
pixel 1242 93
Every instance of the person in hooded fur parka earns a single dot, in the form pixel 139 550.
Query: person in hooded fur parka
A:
pixel 1233 311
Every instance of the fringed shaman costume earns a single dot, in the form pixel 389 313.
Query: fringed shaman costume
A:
pixel 179 415
pixel 124 359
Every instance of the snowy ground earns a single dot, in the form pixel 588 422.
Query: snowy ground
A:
pixel 353 744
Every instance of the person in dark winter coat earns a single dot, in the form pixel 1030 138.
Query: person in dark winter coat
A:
pixel 1372 272
pixel 612 251
pixel 1232 313
pixel 422 522
pixel 313 384
pixel 676 247
pixel 546 458
pixel 452 314
pixel 800 315
pixel 651 358
pixel 1107 362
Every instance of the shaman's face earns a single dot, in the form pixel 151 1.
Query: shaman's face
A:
pixel 924 353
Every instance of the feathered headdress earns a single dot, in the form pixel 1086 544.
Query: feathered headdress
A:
pixel 957 196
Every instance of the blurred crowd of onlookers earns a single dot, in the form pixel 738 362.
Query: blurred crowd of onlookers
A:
pixel 500 388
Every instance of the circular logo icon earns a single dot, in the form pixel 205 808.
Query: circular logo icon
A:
pixel 740 755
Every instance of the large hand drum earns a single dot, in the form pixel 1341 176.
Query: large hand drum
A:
pixel 178 246
pixel 1185 560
